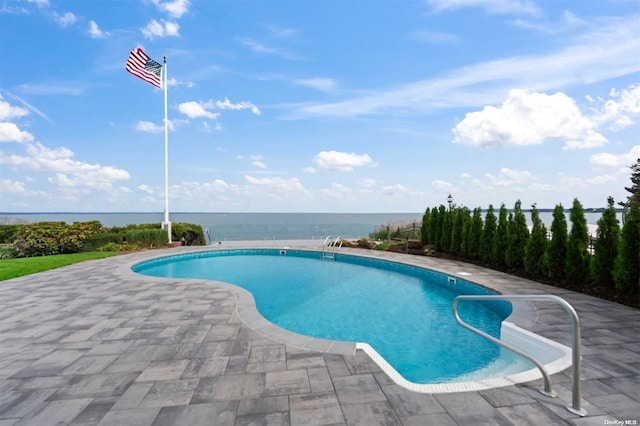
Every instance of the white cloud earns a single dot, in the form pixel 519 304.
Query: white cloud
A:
pixel 68 172
pixel 621 109
pixel 613 160
pixel 276 184
pixel 8 185
pixel 490 6
pixel 156 29
pixel 341 161
pixel 9 132
pixel 227 104
pixel 509 177
pixel 8 112
pixel 256 161
pixel 529 118
pixel 368 183
pixel 65 20
pixel 39 3
pixel 194 109
pixel 321 84
pixel 95 31
pixel 149 127
pixel 442 185
pixel 172 82
pixel 593 140
pixel 146 188
pixel 175 8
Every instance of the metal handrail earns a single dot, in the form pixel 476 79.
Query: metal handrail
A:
pixel 326 243
pixel 575 331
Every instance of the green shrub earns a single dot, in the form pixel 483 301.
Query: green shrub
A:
pixel 555 255
pixel 117 247
pixel 383 247
pixel 626 273
pixel 488 235
pixel 577 267
pixel 6 252
pixel 192 234
pixel 9 233
pixel 500 239
pixel 96 242
pixel 536 245
pixel 148 237
pixel 605 249
pixel 46 238
pixel 517 238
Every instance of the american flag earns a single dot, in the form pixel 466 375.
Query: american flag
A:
pixel 140 65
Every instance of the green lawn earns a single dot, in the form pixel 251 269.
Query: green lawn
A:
pixel 12 268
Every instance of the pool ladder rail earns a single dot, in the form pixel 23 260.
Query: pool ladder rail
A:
pixel 575 408
pixel 334 245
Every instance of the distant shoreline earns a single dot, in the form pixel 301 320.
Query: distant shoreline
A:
pixel 542 210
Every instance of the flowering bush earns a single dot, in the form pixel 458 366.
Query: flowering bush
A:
pixel 46 238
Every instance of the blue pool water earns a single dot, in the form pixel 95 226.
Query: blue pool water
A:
pixel 403 312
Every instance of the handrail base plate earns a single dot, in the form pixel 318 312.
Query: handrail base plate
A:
pixel 581 412
pixel 551 394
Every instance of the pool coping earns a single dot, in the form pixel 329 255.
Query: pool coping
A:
pixel 246 309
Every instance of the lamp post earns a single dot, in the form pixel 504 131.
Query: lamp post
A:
pixel 450 201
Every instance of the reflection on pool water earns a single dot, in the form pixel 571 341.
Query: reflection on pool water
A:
pixel 403 312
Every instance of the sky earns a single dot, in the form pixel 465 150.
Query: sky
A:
pixel 318 106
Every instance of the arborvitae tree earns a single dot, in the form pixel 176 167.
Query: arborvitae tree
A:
pixel 424 228
pixel 488 233
pixel 466 230
pixel 447 228
pixel 442 218
pixel 518 238
pixel 474 234
pixel 536 246
pixel 500 239
pixel 434 229
pixel 627 269
pixel 556 254
pixel 460 215
pixel 577 267
pixel 605 249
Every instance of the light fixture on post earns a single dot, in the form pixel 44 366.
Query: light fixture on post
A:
pixel 450 201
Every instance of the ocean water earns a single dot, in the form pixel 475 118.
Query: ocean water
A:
pixel 247 226
pixel 269 226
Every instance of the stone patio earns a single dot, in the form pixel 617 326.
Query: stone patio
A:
pixel 96 344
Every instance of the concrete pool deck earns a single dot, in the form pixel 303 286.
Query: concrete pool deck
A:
pixel 96 344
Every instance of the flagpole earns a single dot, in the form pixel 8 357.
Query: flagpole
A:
pixel 166 222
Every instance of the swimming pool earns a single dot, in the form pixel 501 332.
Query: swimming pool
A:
pixel 403 312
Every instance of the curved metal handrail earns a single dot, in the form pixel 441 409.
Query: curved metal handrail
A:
pixel 575 330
